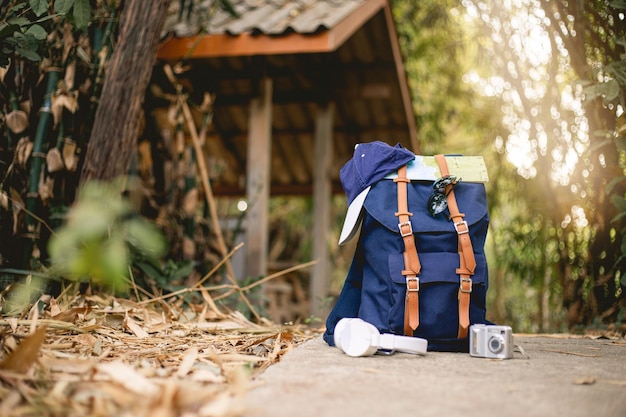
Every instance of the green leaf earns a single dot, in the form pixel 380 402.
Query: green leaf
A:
pixel 6 29
pixel 618 4
pixel 18 21
pixel 602 143
pixel 180 270
pixel 82 13
pixel 114 261
pixel 37 32
pixel 39 6
pixel 28 54
pixel 611 90
pixel 47 17
pixel 63 251
pixel 63 6
pixel 145 237
pixel 153 271
pixel 228 7
pixel 618 217
pixel 619 202
pixel 89 221
pixel 609 187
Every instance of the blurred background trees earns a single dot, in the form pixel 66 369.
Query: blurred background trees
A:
pixel 537 87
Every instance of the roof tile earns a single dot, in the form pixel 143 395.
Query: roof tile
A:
pixel 271 17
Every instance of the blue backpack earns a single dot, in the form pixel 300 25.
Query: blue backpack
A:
pixel 419 268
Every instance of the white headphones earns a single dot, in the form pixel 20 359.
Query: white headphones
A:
pixel 356 337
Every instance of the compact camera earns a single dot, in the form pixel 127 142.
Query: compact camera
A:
pixel 491 341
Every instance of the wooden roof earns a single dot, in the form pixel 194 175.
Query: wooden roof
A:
pixel 315 51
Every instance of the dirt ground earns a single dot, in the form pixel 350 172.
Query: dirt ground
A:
pixel 560 375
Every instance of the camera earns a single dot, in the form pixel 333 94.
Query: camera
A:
pixel 491 341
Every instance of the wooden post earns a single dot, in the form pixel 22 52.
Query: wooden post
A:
pixel 322 194
pixel 258 180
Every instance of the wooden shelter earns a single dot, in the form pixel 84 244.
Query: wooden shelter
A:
pixel 297 84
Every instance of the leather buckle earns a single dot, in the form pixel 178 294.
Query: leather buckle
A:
pixel 464 280
pixel 401 225
pixel 417 283
pixel 461 223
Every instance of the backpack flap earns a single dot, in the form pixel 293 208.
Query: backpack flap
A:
pixel 382 203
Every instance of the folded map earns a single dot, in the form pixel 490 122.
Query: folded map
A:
pixel 467 168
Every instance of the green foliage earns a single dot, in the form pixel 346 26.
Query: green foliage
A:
pixel 431 43
pixel 21 296
pixel 19 35
pixel 168 277
pixel 39 6
pixel 72 41
pixel 79 11
pixel 25 25
pixel 101 236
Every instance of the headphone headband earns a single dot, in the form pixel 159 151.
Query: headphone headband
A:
pixel 356 337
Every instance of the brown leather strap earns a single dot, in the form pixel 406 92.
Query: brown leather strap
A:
pixel 412 264
pixel 466 252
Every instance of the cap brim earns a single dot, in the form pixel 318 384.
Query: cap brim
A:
pixel 353 217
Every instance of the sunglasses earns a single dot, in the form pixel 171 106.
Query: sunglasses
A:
pixel 437 202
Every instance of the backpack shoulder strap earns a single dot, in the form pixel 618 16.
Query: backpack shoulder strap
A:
pixel 412 264
pixel 466 252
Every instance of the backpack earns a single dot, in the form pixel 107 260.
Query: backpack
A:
pixel 419 267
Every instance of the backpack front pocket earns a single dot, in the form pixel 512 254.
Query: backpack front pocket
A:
pixel 438 292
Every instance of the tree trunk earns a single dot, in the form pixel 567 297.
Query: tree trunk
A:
pixel 113 138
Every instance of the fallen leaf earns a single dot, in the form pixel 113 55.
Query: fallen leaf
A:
pixel 136 329
pixel 70 366
pixel 586 380
pixel 13 323
pixel 22 358
pixel 126 376
pixel 9 403
pixel 189 358
pixel 72 314
pixel 54 307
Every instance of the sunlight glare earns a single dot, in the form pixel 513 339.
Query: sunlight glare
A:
pixel 525 90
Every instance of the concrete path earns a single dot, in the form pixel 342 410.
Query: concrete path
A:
pixel 561 376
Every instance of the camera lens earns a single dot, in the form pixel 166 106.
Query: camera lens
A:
pixel 495 344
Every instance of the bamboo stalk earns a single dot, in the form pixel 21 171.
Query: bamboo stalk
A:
pixel 38 158
pixel 190 205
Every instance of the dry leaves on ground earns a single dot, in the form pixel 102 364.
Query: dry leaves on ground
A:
pixel 105 356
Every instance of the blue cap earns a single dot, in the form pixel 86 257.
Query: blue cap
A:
pixel 370 163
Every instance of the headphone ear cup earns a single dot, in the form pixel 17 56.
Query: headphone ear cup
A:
pixel 359 338
pixel 339 329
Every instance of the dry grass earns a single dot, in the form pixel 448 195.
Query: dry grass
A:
pixel 96 355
